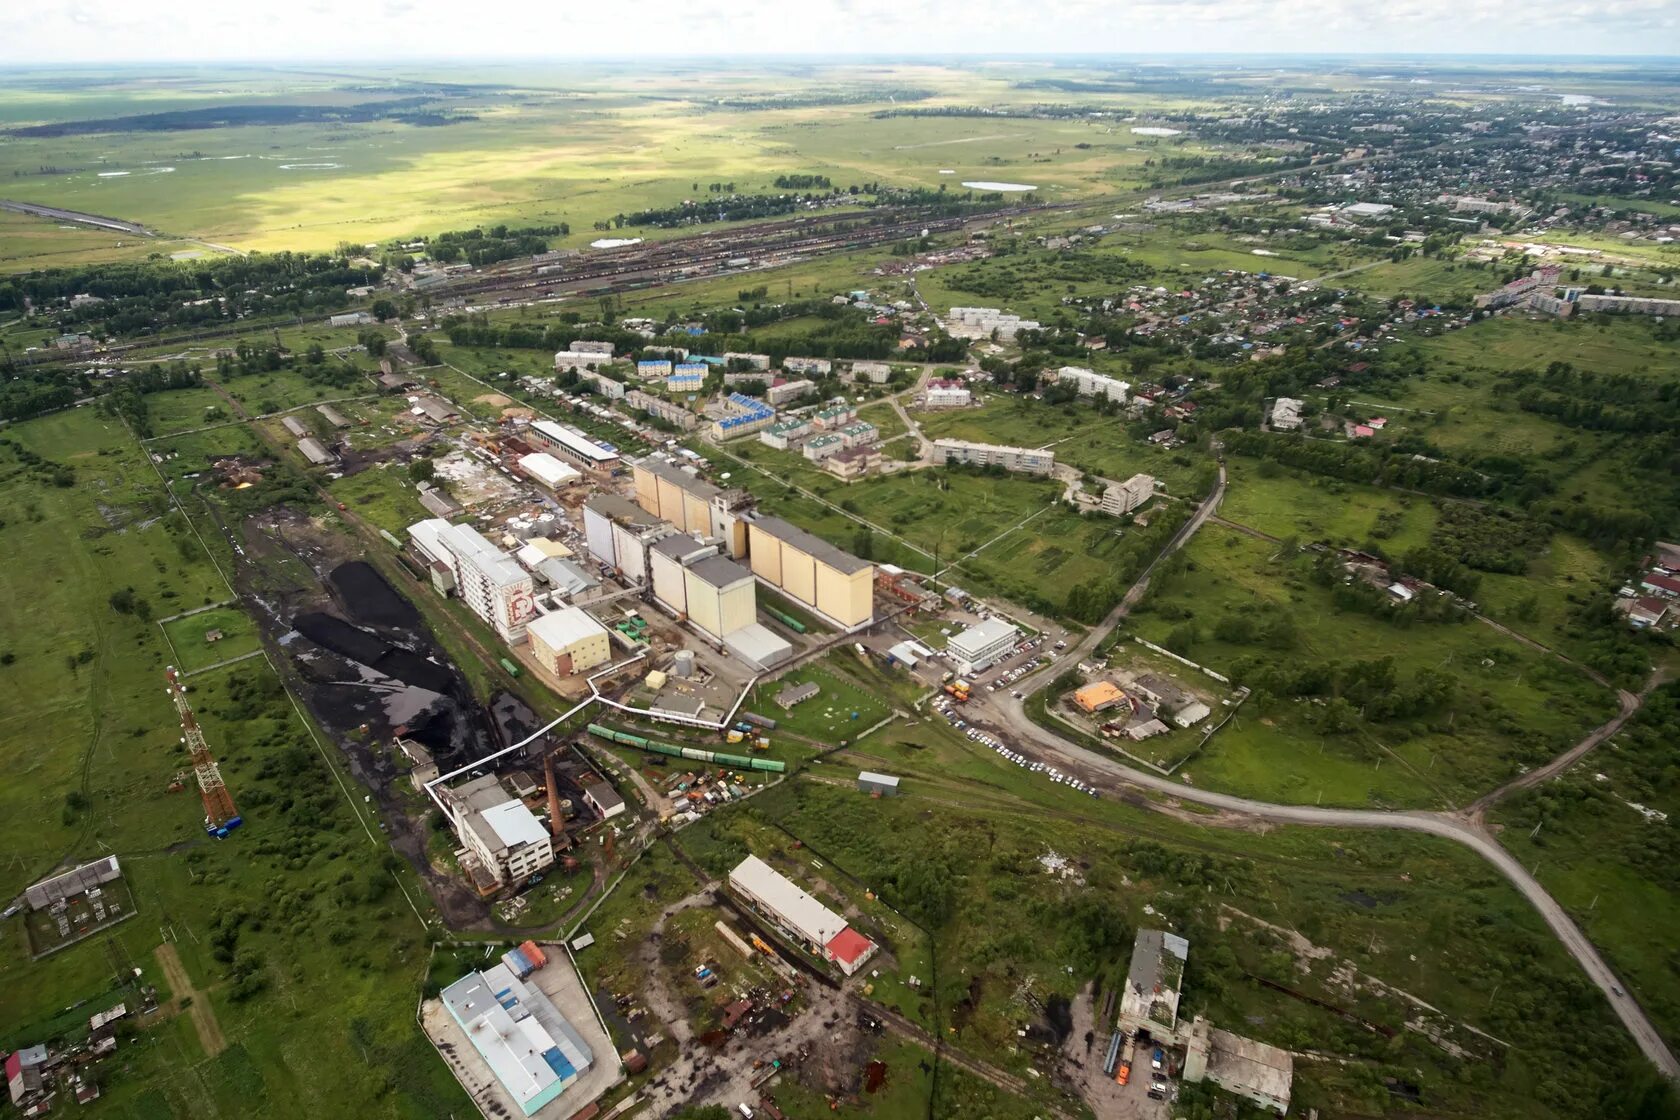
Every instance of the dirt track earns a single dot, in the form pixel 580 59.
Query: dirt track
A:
pixel 210 1034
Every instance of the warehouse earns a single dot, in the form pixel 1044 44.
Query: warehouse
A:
pixel 980 647
pixel 1253 1070
pixel 293 425
pixel 571 445
pixel 691 503
pixel 568 641
pixel 548 471
pixel 315 451
pixel 1099 696
pixel 334 417
pixel 604 799
pixel 488 580
pixel 530 1047
pixel 667 559
pixel 758 645
pixel 835 584
pixel 618 533
pixel 800 917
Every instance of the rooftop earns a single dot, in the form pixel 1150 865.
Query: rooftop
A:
pixel 804 913
pixel 844 562
pixel 560 629
pixel 670 472
pixel 529 1046
pixel 720 571
pixel 514 824
pixel 1243 1065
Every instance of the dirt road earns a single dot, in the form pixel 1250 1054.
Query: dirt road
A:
pixel 196 1003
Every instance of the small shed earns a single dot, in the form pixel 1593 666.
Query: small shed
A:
pixel 877 785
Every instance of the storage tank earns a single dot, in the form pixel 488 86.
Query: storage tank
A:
pixel 683 663
pixel 567 809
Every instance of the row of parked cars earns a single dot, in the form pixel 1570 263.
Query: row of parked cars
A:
pixel 949 711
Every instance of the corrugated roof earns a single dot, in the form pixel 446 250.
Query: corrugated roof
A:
pixel 514 824
pixel 798 910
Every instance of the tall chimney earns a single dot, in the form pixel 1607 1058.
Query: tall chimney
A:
pixel 556 823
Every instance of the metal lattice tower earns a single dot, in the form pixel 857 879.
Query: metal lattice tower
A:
pixel 218 803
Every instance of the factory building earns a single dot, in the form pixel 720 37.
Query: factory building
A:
pixel 1123 497
pixel 691 503
pixel 1255 1071
pixel 801 918
pixel 571 445
pixel 1090 383
pixel 618 533
pixel 1150 997
pixel 547 471
pixel 667 560
pixel 568 641
pixel 530 1047
pixel 835 584
pixel 497 833
pixel 1024 460
pixel 720 596
pixel 488 580
pixel 980 647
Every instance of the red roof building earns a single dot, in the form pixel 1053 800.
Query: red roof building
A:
pixel 849 949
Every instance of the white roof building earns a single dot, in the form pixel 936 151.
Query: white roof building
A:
pixel 984 645
pixel 1090 383
pixel 524 1039
pixel 785 901
pixel 548 470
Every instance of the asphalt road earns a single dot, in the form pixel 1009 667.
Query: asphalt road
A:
pixel 1008 712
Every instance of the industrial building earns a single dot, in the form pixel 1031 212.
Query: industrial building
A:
pixel 295 426
pixel 1153 982
pixel 716 595
pixel 980 647
pixel 334 417
pixel 547 471
pixel 1123 497
pixel 691 503
pixel 1020 459
pixel 835 584
pixel 1259 1073
pixel 568 641
pixel 800 917
pixel 571 445
pixel 618 533
pixel 530 1047
pixel 604 799
pixel 502 842
pixel 668 557
pixel 488 580
pixel 438 412
pixel 1090 383
pixel 1098 696
pixel 79 880
pixel 315 451
pixel 880 785
pixel 1286 414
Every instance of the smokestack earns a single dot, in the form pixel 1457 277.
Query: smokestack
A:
pixel 556 823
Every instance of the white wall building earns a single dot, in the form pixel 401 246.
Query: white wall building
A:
pixel 1025 460
pixel 489 581
pixel 980 647
pixel 1090 383
pixel 496 828
pixel 548 471
pixel 1286 414
pixel 1123 497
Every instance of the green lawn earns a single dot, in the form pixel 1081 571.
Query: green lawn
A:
pixel 838 713
pixel 1286 503
pixel 194 650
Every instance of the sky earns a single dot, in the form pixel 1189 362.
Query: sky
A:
pixel 55 31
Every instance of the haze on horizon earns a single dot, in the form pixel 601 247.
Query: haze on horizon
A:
pixel 209 32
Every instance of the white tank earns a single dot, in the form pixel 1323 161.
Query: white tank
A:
pixel 683 663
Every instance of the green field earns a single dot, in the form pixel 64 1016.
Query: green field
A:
pixel 194 649
pixel 1510 707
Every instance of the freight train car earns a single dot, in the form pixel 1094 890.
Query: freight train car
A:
pixel 693 754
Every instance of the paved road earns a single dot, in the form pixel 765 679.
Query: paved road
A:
pixel 1102 769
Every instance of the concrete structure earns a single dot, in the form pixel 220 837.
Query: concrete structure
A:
pixel 1366 211
pixel 835 584
pixel 721 596
pixel 604 799
pixel 667 559
pixel 858 433
pixel 530 1047
pixel 822 447
pixel 758 645
pixel 691 503
pixel 497 831
pixel 833 416
pixel 569 641
pixel 587 346
pixel 488 580
pixel 672 412
pixel 548 471
pixel 71 883
pixel 1517 291
pixel 883 784
pixel 579 359
pixel 653 370
pixel 1090 383
pixel 1255 1071
pixel 350 319
pixel 1123 497
pixel 1020 459
pixel 315 451
pixel 1628 305
pixel 943 393
pixel 295 426
pixel 1150 997
pixel 755 361
pixel 980 647
pixel 686 379
pixel 609 387
pixel 571 445
pixel 618 533
pixel 1286 414
pixel 876 373
pixel 817 929
pixel 334 417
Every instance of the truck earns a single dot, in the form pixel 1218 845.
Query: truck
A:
pixel 958 691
